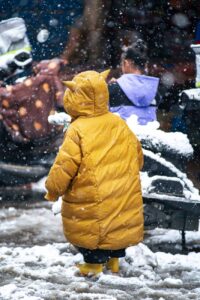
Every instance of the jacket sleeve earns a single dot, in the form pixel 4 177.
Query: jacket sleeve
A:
pixel 140 155
pixel 117 96
pixel 65 166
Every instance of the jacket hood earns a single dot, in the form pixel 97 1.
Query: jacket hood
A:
pixel 140 89
pixel 87 94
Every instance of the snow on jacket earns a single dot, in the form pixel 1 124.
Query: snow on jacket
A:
pixel 138 93
pixel 97 171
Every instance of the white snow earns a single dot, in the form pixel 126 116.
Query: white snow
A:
pixel 39 186
pixel 181 20
pixel 43 35
pixel 43 266
pixel 56 207
pixel 32 225
pixel 190 193
pixel 193 94
pixel 21 79
pixel 176 142
pixel 168 79
pixel 59 118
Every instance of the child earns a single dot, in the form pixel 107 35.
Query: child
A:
pixel 135 93
pixel 97 174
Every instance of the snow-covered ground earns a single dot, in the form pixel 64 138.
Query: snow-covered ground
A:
pixel 37 263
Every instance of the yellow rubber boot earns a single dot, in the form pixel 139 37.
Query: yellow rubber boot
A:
pixel 113 264
pixel 87 269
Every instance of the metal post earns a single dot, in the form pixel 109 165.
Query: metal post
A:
pixel 196 49
pixel 184 248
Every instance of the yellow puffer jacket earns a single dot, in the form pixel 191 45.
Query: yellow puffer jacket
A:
pixel 97 171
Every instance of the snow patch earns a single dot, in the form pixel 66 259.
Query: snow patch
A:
pixel 48 271
pixel 190 191
pixel 39 186
pixel 7 290
pixel 153 138
pixel 59 118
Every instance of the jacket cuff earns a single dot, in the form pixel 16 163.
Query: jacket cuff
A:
pixel 51 197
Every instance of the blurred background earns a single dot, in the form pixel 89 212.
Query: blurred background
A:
pixel 92 34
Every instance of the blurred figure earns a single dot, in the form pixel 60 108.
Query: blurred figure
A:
pixel 134 92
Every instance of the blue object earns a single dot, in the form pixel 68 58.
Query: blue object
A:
pixel 178 124
pixel 197 35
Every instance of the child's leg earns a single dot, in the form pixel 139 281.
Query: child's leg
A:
pixel 94 260
pixel 113 263
pixel 97 256
pixel 118 253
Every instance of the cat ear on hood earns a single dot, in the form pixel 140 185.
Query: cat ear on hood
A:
pixel 105 74
pixel 70 84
